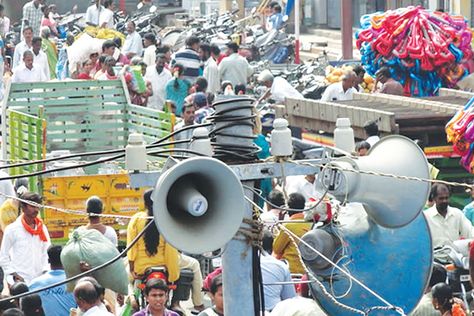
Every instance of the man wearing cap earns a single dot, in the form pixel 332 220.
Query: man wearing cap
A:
pixel 278 88
pixel 341 91
pixel 23 254
pixel 234 68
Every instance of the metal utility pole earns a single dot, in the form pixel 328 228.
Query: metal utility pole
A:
pixel 346 29
pixel 297 31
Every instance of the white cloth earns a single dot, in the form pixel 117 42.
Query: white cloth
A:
pixel 149 56
pixel 446 230
pixel 133 44
pixel 372 140
pixel 6 187
pixel 97 311
pixel 158 86
pixel 23 74
pixel 269 218
pixel 93 14
pixel 111 235
pixel 235 69
pixel 281 89
pixel 107 16
pixel 41 61
pixel 23 253
pixel 298 306
pixel 298 184
pixel 20 49
pixel 211 73
pixel 336 92
pixel 6 26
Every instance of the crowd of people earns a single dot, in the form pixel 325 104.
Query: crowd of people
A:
pixel 184 82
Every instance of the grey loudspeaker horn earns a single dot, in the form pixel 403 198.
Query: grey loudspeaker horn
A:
pixel 198 205
pixel 390 202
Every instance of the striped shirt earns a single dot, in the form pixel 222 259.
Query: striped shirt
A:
pixel 34 16
pixel 189 58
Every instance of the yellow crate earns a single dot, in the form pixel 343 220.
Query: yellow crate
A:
pixel 72 192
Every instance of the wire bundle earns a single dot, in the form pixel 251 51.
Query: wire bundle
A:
pixel 424 50
pixel 233 133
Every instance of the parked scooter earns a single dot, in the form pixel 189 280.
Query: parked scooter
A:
pixel 456 262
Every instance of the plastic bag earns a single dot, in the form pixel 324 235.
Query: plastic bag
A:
pixel 91 246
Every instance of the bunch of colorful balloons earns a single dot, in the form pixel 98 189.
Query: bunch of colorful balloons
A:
pixel 460 132
pixel 425 50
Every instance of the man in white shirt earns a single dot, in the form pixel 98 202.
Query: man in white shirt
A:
pixel 306 185
pixel 106 16
pixel 88 299
pixel 211 72
pixel 40 60
pixel 23 253
pixel 278 88
pixel 158 76
pixel 234 68
pixel 341 91
pixel 22 47
pixel 93 13
pixel 133 45
pixel 27 72
pixel 447 224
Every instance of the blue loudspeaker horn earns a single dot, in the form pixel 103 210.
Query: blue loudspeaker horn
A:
pixel 394 263
pixel 381 238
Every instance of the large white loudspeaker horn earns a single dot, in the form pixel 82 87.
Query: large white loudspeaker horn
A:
pixel 390 202
pixel 198 205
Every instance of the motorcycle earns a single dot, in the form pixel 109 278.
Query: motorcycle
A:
pixel 456 262
pixel 179 290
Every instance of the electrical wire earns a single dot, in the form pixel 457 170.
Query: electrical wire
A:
pixel 102 160
pixel 80 275
pixel 287 208
pixel 85 154
pixel 161 140
pixel 231 151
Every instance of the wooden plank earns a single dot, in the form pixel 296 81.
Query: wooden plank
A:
pixel 70 102
pixel 145 129
pixel 150 122
pixel 135 109
pixel 74 92
pixel 64 84
pixel 329 112
pixel 88 134
pixel 459 93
